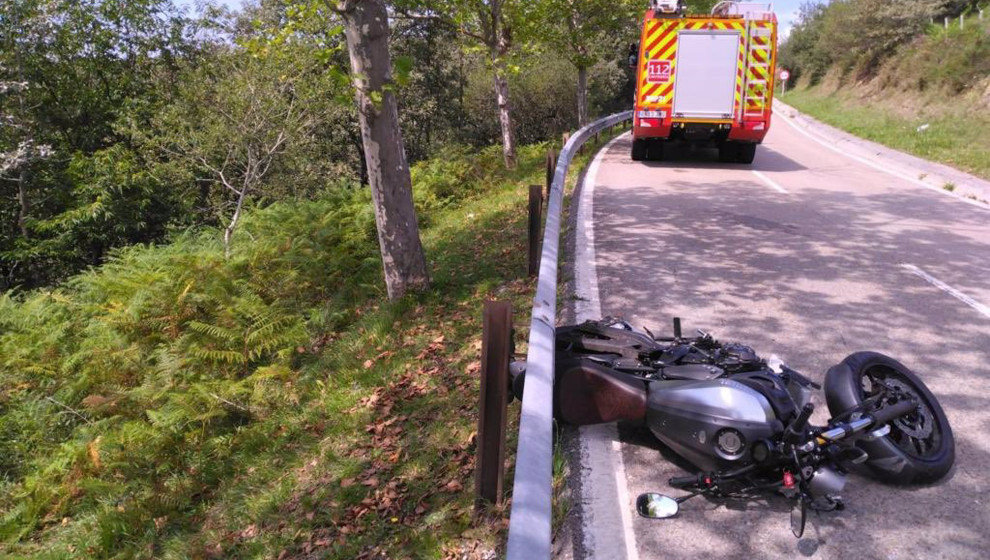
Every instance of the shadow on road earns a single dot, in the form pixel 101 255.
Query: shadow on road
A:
pixel 683 157
pixel 812 279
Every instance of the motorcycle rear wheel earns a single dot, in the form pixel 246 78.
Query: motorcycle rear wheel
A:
pixel 920 447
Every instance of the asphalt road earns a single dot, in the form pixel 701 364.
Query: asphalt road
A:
pixel 810 261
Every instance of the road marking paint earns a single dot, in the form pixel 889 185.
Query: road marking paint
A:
pixel 589 306
pixel 789 120
pixel 983 309
pixel 605 497
pixel 770 182
pixel 625 504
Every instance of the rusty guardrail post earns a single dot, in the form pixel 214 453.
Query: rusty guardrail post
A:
pixel 535 217
pixel 496 350
pixel 551 165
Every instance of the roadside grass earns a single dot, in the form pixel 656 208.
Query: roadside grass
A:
pixel 350 437
pixel 954 135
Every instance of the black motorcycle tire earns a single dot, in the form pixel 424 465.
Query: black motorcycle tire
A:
pixel 889 461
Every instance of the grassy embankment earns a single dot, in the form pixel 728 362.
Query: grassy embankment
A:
pixel 930 99
pixel 174 404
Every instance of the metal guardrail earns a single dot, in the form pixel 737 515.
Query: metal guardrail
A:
pixel 530 516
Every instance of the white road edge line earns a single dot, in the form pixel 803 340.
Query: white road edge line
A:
pixel 789 120
pixel 603 498
pixel 983 309
pixel 770 182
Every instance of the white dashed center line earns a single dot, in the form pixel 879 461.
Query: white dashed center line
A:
pixel 770 182
pixel 981 308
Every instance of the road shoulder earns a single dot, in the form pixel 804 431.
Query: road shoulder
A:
pixel 594 480
pixel 924 173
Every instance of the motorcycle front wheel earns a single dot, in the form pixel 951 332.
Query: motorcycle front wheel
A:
pixel 920 447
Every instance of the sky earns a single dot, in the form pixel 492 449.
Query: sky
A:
pixel 232 4
pixel 787 11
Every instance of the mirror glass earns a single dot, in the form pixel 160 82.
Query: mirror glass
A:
pixel 797 518
pixel 656 506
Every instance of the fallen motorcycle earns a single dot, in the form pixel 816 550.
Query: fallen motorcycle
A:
pixel 743 421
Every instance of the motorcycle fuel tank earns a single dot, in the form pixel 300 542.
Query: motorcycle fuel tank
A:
pixel 712 423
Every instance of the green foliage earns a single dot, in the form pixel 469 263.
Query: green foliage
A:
pixel 801 54
pixel 157 404
pixel 587 31
pixel 902 42
pixel 951 60
pixel 543 96
pixel 81 68
pixel 125 391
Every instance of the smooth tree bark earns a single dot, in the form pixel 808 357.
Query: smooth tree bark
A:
pixel 582 95
pixel 580 58
pixel 498 38
pixel 366 30
pixel 22 199
pixel 505 114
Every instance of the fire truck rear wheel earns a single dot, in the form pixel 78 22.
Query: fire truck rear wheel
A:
pixel 727 152
pixel 745 153
pixel 655 150
pixel 639 150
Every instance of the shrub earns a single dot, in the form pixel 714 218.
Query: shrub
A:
pixel 124 394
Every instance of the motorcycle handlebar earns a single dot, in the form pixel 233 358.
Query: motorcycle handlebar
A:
pixel 683 480
pixel 893 412
pixel 796 429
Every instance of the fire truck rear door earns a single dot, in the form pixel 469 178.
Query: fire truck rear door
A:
pixel 705 80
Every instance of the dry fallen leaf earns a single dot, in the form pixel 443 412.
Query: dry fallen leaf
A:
pixel 94 452
pixel 346 482
pixel 93 401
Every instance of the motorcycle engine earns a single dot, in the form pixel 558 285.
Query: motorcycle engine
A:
pixel 736 357
pixel 712 423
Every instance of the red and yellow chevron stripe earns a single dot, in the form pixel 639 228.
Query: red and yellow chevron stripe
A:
pixel 659 43
pixel 759 68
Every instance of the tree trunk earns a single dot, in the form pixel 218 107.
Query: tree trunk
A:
pixel 22 199
pixel 505 114
pixel 582 95
pixel 366 30
pixel 228 232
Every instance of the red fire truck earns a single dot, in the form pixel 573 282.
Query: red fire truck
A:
pixel 704 78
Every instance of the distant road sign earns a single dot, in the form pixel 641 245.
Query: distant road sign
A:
pixel 784 74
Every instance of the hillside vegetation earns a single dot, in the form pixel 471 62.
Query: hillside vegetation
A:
pixel 243 256
pixel 173 403
pixel 895 74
